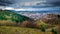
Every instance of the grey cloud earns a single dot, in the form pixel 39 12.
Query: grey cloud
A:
pixel 6 2
pixel 56 4
pixel 18 3
pixel 50 3
pixel 53 2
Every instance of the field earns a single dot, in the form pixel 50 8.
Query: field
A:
pixel 20 30
pixel 11 28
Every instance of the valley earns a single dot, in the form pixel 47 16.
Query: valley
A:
pixel 14 23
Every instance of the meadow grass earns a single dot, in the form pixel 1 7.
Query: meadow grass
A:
pixel 20 30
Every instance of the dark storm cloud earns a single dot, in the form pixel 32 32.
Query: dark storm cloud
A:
pixel 30 3
pixel 53 2
pixel 56 3
pixel 50 3
pixel 5 2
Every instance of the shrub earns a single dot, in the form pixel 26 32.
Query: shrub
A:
pixel 53 31
pixel 43 27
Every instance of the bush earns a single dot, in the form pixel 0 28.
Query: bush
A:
pixel 43 28
pixel 53 31
pixel 2 17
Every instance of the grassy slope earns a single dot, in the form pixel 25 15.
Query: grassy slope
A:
pixel 9 15
pixel 17 30
pixel 20 30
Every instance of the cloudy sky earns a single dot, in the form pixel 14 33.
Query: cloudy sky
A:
pixel 10 4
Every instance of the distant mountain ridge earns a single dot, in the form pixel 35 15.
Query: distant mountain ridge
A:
pixel 36 14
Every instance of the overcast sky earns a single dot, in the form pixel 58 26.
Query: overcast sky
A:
pixel 29 3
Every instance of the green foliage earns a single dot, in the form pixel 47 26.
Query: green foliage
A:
pixel 43 26
pixel 53 31
pixel 9 15
pixel 3 18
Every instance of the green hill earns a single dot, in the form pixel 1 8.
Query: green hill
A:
pixel 12 17
pixel 9 15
